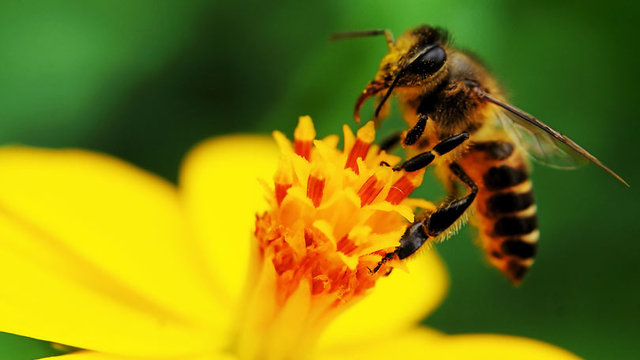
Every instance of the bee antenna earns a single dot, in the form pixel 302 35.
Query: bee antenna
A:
pixel 353 34
pixel 388 93
pixel 400 73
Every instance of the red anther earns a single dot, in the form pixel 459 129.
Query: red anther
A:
pixel 359 150
pixel 370 190
pixel 315 189
pixel 403 188
pixel 345 245
pixel 303 148
pixel 281 192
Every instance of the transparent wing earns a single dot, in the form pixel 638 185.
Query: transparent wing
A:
pixel 539 145
pixel 543 143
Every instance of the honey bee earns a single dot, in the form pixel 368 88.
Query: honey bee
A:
pixel 460 121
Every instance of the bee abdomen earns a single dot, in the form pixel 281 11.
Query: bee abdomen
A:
pixel 515 226
pixel 504 203
pixel 519 248
pixel 509 229
pixel 503 177
pixel 506 211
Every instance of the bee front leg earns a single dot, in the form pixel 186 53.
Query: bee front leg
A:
pixel 415 133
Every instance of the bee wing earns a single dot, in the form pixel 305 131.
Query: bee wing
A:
pixel 543 143
pixel 539 145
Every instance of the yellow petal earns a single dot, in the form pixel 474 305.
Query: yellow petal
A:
pixel 396 303
pixel 221 193
pixel 421 343
pixel 91 355
pixel 93 254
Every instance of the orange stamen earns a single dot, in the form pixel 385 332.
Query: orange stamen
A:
pixel 365 137
pixel 303 137
pixel 404 187
pixel 315 189
pixel 370 190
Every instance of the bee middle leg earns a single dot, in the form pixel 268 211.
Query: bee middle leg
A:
pixel 423 160
pixel 434 224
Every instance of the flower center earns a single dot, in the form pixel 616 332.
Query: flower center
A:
pixel 334 214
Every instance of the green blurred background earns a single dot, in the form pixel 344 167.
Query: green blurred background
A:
pixel 146 80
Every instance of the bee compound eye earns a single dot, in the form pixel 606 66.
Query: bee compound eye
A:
pixel 430 62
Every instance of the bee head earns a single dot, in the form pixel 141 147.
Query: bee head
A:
pixel 417 59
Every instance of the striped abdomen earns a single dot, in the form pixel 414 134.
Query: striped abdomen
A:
pixel 505 208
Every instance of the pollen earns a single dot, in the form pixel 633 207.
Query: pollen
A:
pixel 333 214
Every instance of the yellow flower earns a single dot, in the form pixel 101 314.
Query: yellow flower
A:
pixel 99 255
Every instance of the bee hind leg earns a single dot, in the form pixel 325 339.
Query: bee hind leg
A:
pixel 447 214
pixel 413 238
pixel 434 224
